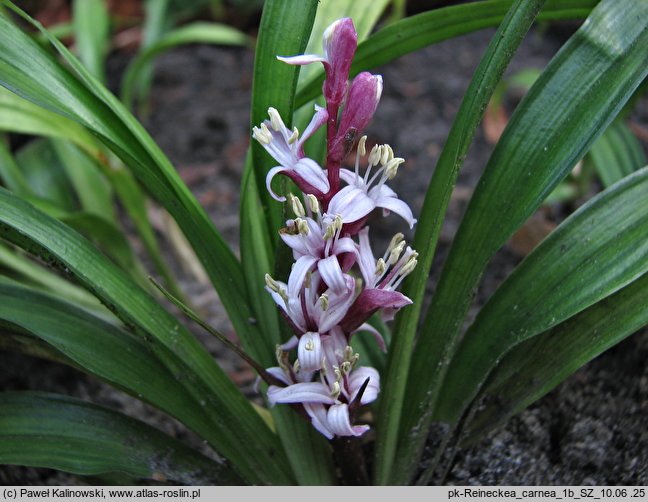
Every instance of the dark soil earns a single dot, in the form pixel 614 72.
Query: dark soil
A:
pixel 590 430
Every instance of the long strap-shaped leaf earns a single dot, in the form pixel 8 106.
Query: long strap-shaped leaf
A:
pixel 537 365
pixel 421 30
pixel 578 94
pixel 599 249
pixel 125 361
pixel 490 70
pixel 59 432
pixel 28 70
pixel 238 433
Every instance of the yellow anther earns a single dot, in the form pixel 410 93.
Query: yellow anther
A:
pixel 275 119
pixel 324 301
pixel 395 241
pixel 294 136
pixel 381 266
pixel 361 146
pixel 296 205
pixel 262 134
pixel 313 203
pixel 335 390
pixel 395 253
pixel 392 167
pixel 302 226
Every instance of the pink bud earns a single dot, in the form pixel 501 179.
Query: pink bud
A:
pixel 340 41
pixel 362 100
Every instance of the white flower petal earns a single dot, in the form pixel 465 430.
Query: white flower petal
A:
pixel 317 412
pixel 298 274
pixel 339 424
pixel 331 273
pixel 366 259
pixel 358 377
pixel 351 203
pixel 388 199
pixel 302 59
pixel 376 334
pixel 309 352
pixel 311 172
pixel 271 174
pixel 308 392
pixel 279 374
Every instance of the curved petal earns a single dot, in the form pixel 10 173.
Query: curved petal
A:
pixel 302 59
pixel 317 412
pixel 350 177
pixel 366 259
pixel 376 334
pixel 309 352
pixel 298 274
pixel 271 174
pixel 310 177
pixel 318 120
pixel 351 203
pixel 391 202
pixel 308 392
pixel 290 344
pixel 279 374
pixel 357 379
pixel 368 302
pixel 339 424
pixel 330 270
pixel 338 307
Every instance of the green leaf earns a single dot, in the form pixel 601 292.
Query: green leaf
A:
pixel 256 253
pixel 49 430
pixel 617 153
pixel 89 103
pixel 45 175
pixel 389 468
pixel 194 33
pixel 421 30
pixel 27 272
pixel 593 253
pixel 108 238
pixel 579 93
pixel 237 431
pixel 90 185
pixel 22 116
pixel 125 362
pixel 285 28
pixel 91 33
pixel 10 173
pixel 537 365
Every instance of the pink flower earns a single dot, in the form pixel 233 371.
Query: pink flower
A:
pixel 365 193
pixel 339 43
pixel 287 149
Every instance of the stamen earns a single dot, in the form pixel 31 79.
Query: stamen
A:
pixel 362 150
pixel 275 119
pixel 335 390
pixel 276 287
pixel 384 157
pixel 324 301
pixel 296 205
pixel 296 366
pixel 381 266
pixel 294 136
pixel 392 167
pixel 302 226
pixel 346 367
pixel 375 155
pixel 262 134
pixel 313 203
pixel 396 252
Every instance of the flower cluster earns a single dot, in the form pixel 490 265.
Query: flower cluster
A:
pixel 325 301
